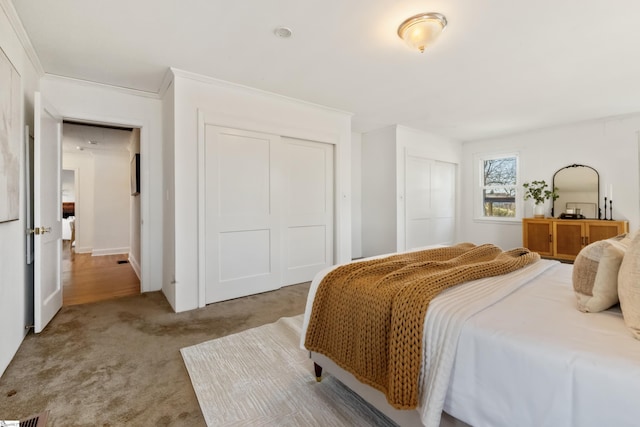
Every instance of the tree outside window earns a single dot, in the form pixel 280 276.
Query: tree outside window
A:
pixel 499 183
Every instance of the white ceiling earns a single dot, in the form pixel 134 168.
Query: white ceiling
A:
pixel 94 139
pixel 501 66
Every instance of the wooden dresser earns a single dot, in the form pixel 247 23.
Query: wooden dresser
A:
pixel 563 238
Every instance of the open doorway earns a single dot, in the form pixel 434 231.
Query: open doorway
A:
pixel 101 231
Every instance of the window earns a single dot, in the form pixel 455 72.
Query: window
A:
pixel 499 181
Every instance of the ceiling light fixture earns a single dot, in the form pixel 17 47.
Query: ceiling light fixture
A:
pixel 283 32
pixel 422 30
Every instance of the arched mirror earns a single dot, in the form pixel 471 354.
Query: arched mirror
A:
pixel 578 189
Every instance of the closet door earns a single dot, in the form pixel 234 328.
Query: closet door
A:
pixel 308 209
pixel 242 213
pixel 417 206
pixel 443 202
pixel 429 202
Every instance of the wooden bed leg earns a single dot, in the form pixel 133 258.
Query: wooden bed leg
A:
pixel 318 369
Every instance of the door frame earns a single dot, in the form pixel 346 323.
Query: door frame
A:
pixel 144 184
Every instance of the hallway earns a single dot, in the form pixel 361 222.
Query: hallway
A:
pixel 87 278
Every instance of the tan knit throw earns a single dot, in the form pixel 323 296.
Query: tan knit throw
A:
pixel 368 316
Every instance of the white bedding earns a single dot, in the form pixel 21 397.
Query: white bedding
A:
pixel 535 360
pixel 530 360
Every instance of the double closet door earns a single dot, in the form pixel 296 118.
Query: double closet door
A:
pixel 268 211
pixel 429 202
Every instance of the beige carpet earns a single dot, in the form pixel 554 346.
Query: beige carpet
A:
pixel 261 377
pixel 118 363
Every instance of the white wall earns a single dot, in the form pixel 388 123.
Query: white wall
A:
pixel 16 294
pixel 379 179
pixel 104 104
pixel 111 203
pixel 609 145
pixel 240 107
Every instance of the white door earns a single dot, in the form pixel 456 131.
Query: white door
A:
pixel 243 181
pixel 308 210
pixel 417 201
pixel 443 202
pixel 429 202
pixel 47 213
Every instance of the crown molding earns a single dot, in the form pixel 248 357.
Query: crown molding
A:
pixel 89 83
pixel 21 33
pixel 166 82
pixel 226 84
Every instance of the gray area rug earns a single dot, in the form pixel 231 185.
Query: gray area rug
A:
pixel 261 377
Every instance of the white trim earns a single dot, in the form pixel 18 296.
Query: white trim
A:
pixel 110 251
pixel 21 33
pixel 235 86
pixel 145 268
pixel 89 83
pixel 134 264
pixel 202 285
pixel 498 220
pixel 166 83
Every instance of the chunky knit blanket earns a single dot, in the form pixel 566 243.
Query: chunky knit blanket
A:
pixel 368 316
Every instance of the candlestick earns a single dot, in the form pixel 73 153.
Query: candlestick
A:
pixel 611 210
pixel 605 207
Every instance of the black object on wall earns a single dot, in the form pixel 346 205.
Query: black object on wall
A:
pixel 135 174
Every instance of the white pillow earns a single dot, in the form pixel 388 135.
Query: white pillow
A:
pixel 629 287
pixel 595 274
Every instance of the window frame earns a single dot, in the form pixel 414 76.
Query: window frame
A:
pixel 479 186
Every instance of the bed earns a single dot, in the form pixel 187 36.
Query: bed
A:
pixel 515 351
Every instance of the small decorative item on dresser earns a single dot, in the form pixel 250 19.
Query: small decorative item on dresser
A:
pixel 611 209
pixel 537 190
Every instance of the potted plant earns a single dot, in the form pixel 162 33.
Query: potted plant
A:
pixel 539 192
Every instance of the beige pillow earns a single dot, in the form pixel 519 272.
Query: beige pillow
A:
pixel 595 274
pixel 629 287
pixel 627 238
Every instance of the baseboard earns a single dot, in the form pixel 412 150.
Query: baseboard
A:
pixel 109 251
pixel 136 267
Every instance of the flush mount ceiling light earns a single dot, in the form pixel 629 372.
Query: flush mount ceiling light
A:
pixel 422 30
pixel 283 32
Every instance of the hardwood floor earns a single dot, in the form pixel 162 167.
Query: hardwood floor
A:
pixel 89 278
